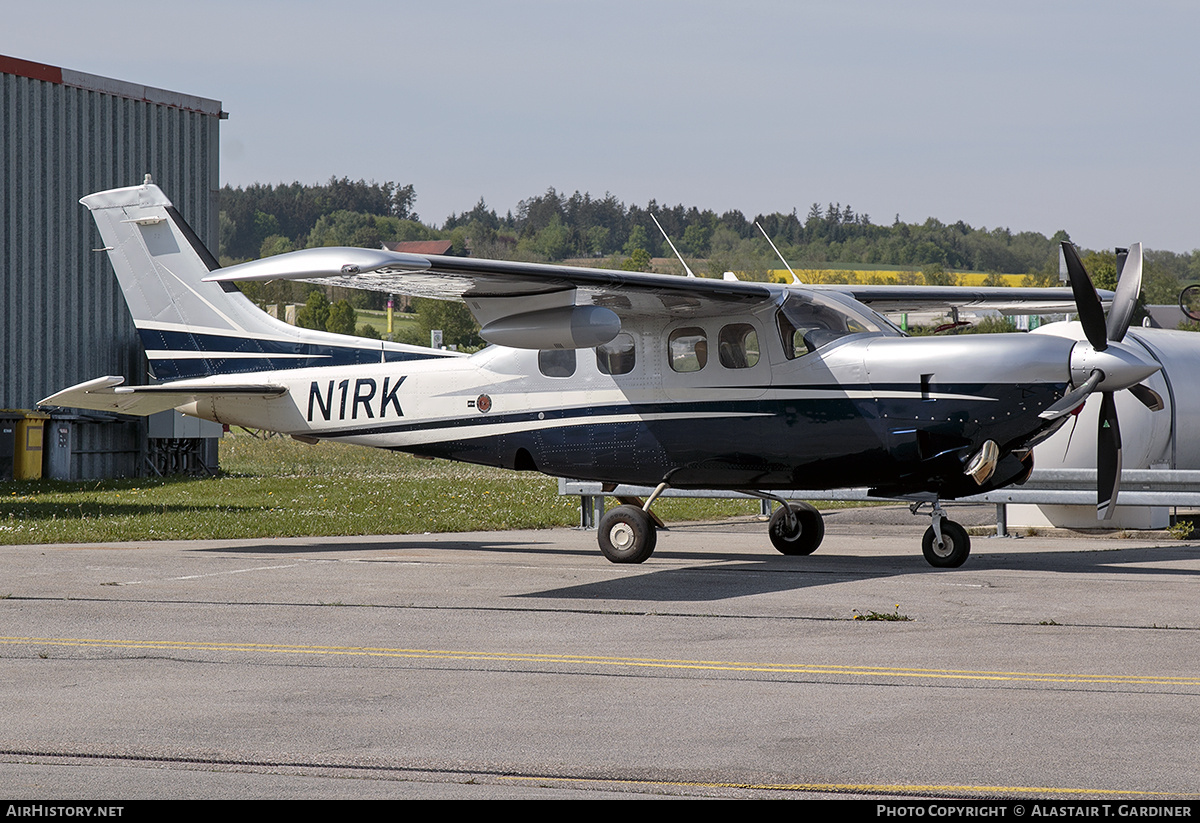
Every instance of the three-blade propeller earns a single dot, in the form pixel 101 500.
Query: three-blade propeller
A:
pixel 1108 368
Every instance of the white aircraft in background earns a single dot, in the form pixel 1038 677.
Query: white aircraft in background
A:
pixel 623 377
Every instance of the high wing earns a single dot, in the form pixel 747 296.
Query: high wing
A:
pixel 523 305
pixel 499 289
pixel 108 394
pixel 473 280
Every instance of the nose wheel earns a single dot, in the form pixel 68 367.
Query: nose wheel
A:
pixel 946 544
pixel 951 551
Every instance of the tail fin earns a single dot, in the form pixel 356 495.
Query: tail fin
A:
pixel 194 329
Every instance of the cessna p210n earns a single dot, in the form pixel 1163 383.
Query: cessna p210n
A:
pixel 619 377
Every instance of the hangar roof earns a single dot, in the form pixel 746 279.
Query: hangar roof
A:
pixel 118 88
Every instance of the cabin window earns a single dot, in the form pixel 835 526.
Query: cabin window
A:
pixel 688 349
pixel 737 346
pixel 617 355
pixel 556 362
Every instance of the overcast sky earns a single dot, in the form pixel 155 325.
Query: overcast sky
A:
pixel 1040 116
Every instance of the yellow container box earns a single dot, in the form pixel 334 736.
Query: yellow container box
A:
pixel 27 451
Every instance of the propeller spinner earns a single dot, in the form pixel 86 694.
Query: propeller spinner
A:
pixel 1104 365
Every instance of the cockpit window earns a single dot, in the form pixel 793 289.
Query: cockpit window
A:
pixel 556 362
pixel 617 355
pixel 737 346
pixel 808 321
pixel 688 349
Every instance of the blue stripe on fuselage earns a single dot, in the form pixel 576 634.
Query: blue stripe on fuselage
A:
pixel 961 399
pixel 777 443
pixel 275 354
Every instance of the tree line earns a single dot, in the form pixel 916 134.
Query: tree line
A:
pixel 262 220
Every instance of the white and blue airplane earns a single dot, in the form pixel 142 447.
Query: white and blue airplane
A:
pixel 620 377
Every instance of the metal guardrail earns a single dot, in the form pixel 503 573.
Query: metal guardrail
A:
pixel 1054 487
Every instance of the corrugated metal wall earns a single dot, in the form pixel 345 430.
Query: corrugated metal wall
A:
pixel 63 317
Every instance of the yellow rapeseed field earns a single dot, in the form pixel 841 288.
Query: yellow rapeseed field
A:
pixel 888 277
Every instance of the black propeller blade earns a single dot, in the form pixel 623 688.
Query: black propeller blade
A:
pixel 1108 457
pixel 1087 302
pixel 1100 334
pixel 1149 397
pixel 1125 301
pixel 1074 398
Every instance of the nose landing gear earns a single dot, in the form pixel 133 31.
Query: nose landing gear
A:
pixel 946 544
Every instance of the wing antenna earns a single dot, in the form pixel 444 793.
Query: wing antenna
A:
pixel 795 279
pixel 672 245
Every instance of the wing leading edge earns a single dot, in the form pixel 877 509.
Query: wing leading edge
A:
pixel 476 281
pixel 500 288
pixel 1001 298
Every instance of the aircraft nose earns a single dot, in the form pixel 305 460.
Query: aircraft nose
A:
pixel 1121 366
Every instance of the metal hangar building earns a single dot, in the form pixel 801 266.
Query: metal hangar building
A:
pixel 65 134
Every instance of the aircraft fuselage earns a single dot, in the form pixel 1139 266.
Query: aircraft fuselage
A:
pixel 884 411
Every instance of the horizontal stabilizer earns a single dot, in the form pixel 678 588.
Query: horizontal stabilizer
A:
pixel 108 394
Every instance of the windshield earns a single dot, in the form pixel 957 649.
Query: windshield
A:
pixel 808 321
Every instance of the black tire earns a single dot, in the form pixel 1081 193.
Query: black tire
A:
pixel 627 535
pixel 955 549
pixel 810 530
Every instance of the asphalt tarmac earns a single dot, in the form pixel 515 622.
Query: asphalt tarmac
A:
pixel 522 664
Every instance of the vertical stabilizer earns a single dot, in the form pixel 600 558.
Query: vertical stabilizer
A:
pixel 191 328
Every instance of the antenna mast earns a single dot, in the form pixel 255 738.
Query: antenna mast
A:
pixel 672 245
pixel 795 279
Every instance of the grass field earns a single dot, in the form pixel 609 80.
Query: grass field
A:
pixel 378 319
pixel 280 488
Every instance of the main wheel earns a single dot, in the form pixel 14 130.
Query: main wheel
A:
pixel 955 548
pixel 804 536
pixel 627 535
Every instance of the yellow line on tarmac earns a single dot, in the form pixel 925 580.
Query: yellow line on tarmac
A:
pixel 622 662
pixel 864 788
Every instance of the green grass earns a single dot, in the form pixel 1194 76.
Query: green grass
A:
pixel 893 615
pixel 378 319
pixel 280 488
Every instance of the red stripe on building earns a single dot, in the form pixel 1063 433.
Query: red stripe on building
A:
pixel 30 69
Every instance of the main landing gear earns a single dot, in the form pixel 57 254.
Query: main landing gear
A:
pixel 627 533
pixel 796 528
